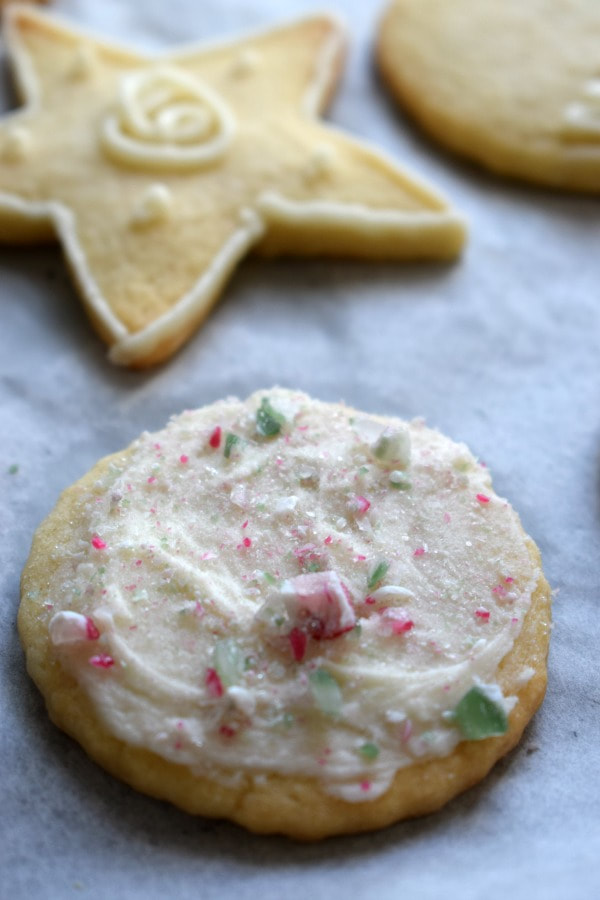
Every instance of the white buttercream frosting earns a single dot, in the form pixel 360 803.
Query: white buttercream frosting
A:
pixel 241 632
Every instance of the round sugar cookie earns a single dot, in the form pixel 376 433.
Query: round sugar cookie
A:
pixel 290 614
pixel 514 86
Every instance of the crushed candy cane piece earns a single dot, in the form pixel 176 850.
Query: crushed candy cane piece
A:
pixel 358 505
pixel 215 438
pixel 480 713
pixel 395 621
pixel 101 661
pixel 320 602
pixel 69 627
pixel 400 480
pixel 326 692
pixel 393 446
pixel 213 683
pixel 268 420
pixel 389 593
pixel 298 641
pixel 316 603
pixel 285 505
pixel 378 574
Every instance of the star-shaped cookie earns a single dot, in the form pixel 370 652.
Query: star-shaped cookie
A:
pixel 158 174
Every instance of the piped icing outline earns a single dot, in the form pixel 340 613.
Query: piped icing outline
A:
pixel 128 347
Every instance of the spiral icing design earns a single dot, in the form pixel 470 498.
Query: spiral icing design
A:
pixel 167 119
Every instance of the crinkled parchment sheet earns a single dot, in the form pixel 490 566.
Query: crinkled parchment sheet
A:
pixel 499 350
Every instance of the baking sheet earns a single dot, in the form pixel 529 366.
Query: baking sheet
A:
pixel 499 349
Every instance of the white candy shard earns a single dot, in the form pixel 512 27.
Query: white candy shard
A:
pixel 70 628
pixel 243 699
pixel 238 495
pixel 286 504
pixel 390 592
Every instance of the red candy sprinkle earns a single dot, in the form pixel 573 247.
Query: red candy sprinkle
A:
pixel 247 542
pixel 363 504
pixel 482 614
pixel 245 525
pixel 328 539
pixel 183 458
pixel 365 785
pixel 102 661
pixel 298 641
pixel 215 438
pixel 227 731
pixel 98 543
pixel 152 479
pixel 213 683
pixel 401 626
pixel 92 632
pixel 483 498
pixel 420 551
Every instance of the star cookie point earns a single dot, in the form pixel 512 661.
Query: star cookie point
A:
pixel 159 174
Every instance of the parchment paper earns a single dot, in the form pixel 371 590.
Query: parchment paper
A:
pixel 499 350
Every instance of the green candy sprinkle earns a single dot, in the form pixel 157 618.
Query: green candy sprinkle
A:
pixel 378 574
pixel 269 578
pixel 478 717
pixel 326 692
pixel 230 441
pixel 369 750
pixel 12 470
pixel 268 420
pixel 228 661
pixel 400 481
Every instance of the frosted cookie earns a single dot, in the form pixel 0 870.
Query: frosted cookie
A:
pixel 159 174
pixel 513 85
pixel 290 614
